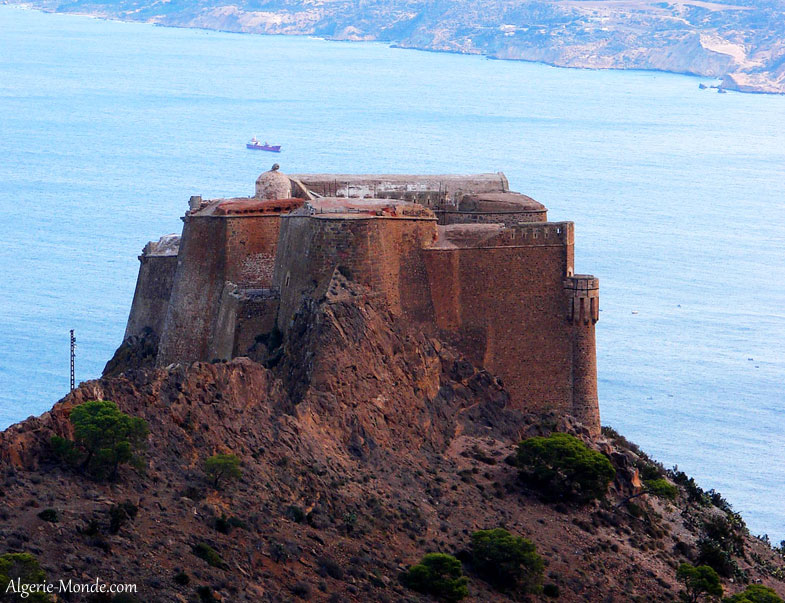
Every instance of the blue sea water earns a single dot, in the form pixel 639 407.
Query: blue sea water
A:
pixel 678 196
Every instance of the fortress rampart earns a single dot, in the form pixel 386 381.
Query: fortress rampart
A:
pixel 153 286
pixel 381 249
pixel 462 257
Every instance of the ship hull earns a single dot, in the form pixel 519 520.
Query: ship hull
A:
pixel 263 147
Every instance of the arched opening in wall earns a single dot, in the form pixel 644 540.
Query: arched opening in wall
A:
pixel 286 280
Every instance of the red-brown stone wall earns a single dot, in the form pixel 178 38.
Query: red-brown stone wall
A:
pixel 214 250
pixel 385 254
pixel 506 218
pixel 251 243
pixel 198 283
pixel 505 308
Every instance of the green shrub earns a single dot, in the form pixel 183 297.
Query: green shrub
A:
pixel 295 513
pixel 506 561
pixel 301 590
pixel 551 590
pixel 209 554
pixel 49 515
pixel 104 439
pixel 64 451
pixel 662 488
pixel 121 514
pixel 711 553
pixel 439 575
pixel 720 541
pixel 222 467
pixel 698 581
pixel 205 594
pixel 755 593
pixel 25 568
pixel 182 578
pixel 329 567
pixel 561 466
pixel 649 471
pixel 728 532
pixel 695 493
pixel 225 524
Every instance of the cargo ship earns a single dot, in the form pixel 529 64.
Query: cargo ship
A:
pixel 255 145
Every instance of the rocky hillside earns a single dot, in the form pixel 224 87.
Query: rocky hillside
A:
pixel 363 446
pixel 742 41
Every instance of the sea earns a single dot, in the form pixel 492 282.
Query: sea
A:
pixel 677 193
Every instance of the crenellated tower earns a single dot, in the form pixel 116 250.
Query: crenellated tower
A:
pixel 583 312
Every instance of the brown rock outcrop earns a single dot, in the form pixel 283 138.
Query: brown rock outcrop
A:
pixel 364 445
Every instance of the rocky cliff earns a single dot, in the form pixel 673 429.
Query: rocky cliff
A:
pixel 741 42
pixel 364 445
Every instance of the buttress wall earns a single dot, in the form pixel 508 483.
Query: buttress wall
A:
pixel 157 267
pixel 217 252
pixel 384 254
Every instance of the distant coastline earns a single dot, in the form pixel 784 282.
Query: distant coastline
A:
pixel 568 36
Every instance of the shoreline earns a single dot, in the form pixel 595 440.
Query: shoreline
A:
pixel 726 83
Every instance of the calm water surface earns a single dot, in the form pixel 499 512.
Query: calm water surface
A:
pixel 678 196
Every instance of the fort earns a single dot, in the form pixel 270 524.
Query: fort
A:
pixel 461 257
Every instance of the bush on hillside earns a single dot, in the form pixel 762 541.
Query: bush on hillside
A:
pixel 24 568
pixel 49 515
pixel 721 541
pixel 209 554
pixel 561 466
pixel 662 488
pixel 439 575
pixel 755 593
pixel 698 582
pixel 508 562
pixel 104 438
pixel 120 514
pixel 221 468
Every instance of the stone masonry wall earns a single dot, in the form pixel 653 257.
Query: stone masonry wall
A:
pixel 198 284
pixel 215 250
pixel 251 243
pixel 384 254
pixel 504 306
pixel 151 296
pixel 506 218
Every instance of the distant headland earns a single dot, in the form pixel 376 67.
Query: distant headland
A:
pixel 737 42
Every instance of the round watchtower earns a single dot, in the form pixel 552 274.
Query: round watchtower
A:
pixel 583 311
pixel 273 185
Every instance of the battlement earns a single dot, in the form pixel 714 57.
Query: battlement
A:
pixel 537 234
pixel 583 291
pixel 167 245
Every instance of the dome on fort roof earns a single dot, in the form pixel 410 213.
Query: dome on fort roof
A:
pixel 499 202
pixel 273 185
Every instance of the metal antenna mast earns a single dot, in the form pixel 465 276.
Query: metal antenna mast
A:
pixel 73 349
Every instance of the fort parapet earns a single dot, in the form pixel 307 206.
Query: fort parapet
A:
pixel 462 257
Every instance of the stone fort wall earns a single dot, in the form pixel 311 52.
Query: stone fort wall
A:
pixel 384 254
pixel 158 264
pixel 215 250
pixel 502 302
